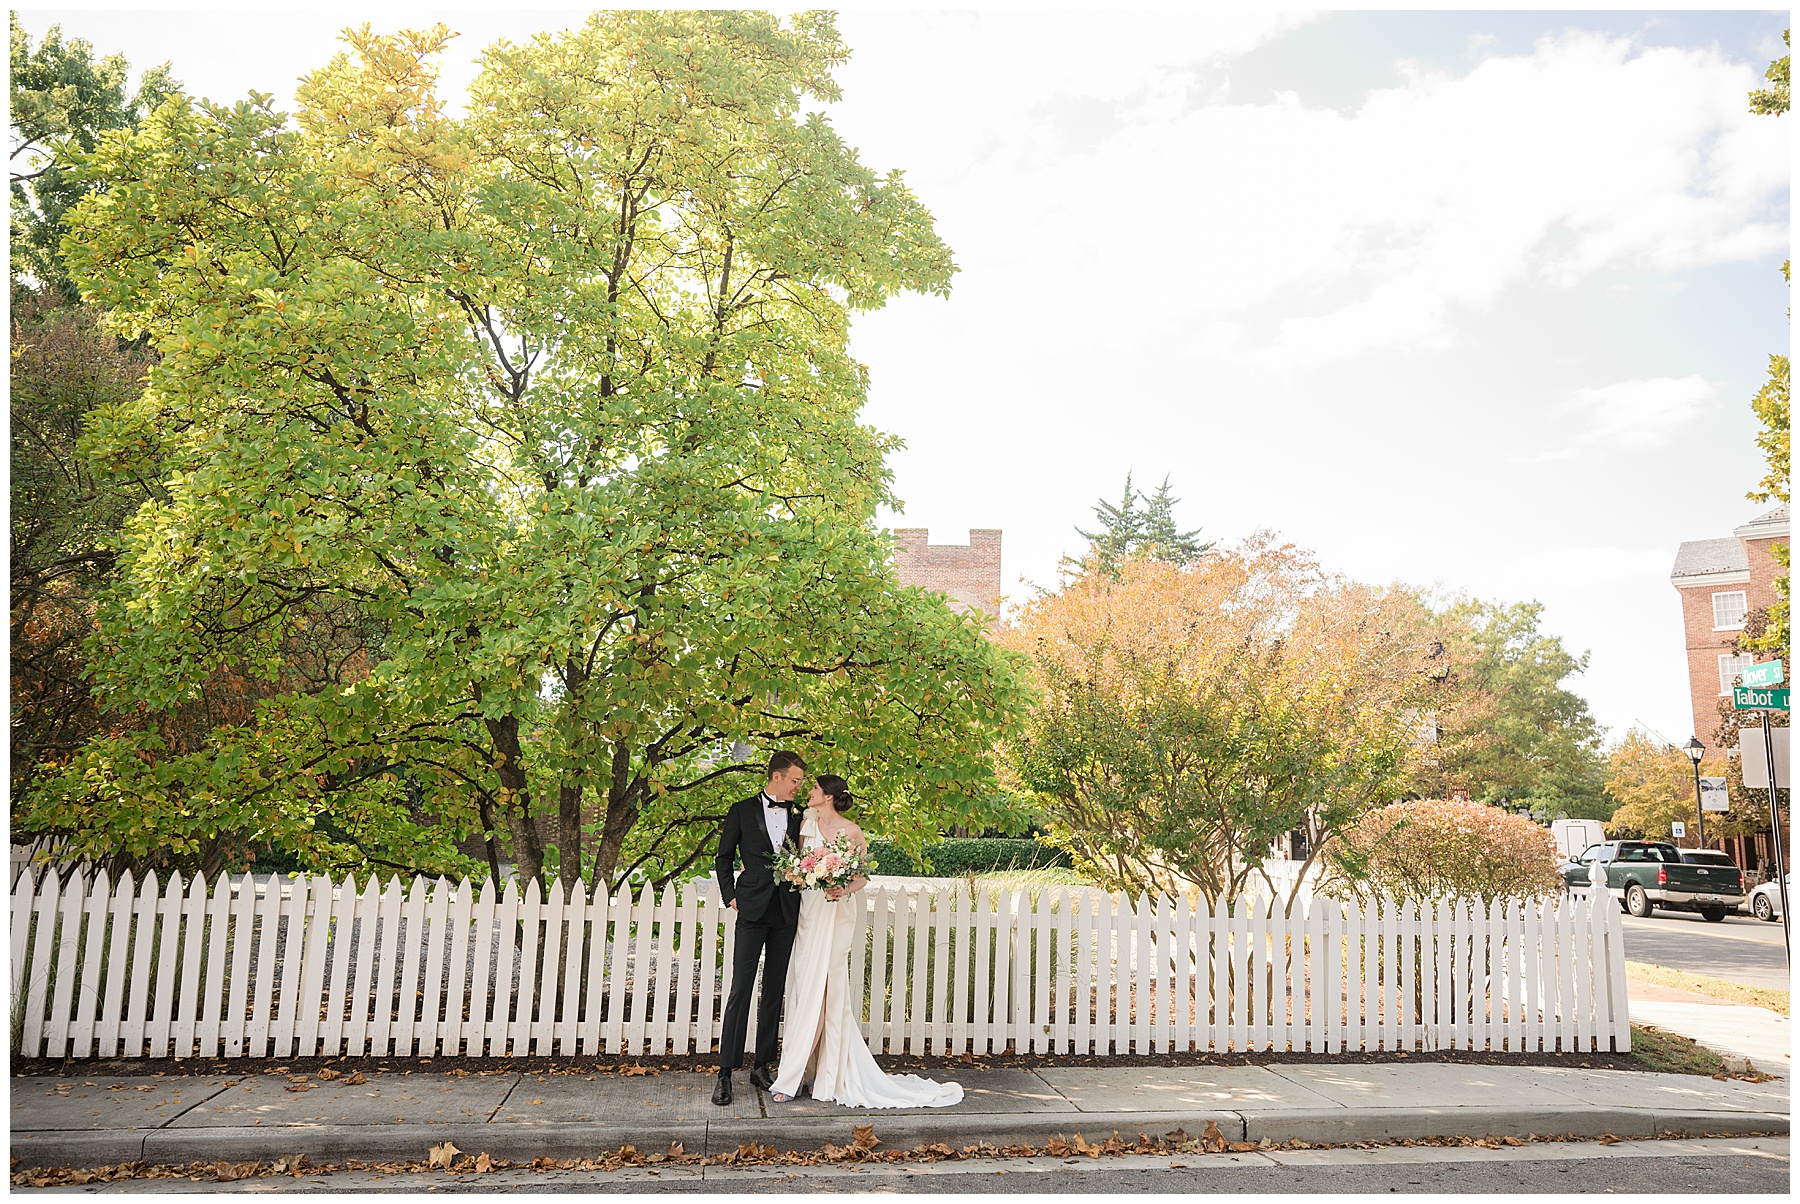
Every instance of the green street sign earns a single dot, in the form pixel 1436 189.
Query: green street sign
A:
pixel 1768 674
pixel 1749 699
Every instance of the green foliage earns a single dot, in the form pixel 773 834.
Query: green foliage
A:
pixel 62 100
pixel 514 460
pixel 1772 411
pixel 1520 734
pixel 65 519
pixel 1773 100
pixel 973 855
pixel 1141 525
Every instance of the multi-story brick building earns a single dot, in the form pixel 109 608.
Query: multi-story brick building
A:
pixel 968 574
pixel 1721 583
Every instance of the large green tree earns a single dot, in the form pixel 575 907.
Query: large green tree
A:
pixel 62 100
pixel 65 517
pixel 545 418
pixel 1517 731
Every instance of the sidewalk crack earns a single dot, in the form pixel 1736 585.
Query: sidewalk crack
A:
pixel 223 1088
pixel 517 1079
pixel 1065 1099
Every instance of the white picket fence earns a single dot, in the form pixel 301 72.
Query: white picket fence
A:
pixel 287 968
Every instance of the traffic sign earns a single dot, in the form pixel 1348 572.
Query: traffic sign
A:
pixel 1679 829
pixel 1747 698
pixel 1766 674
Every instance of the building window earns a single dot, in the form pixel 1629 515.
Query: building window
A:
pixel 1729 668
pixel 1729 610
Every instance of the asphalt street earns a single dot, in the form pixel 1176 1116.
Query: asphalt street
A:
pixel 1741 948
pixel 1745 1164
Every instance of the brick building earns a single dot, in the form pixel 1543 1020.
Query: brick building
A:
pixel 1722 582
pixel 968 574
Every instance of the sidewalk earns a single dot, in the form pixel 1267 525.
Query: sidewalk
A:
pixel 1738 1032
pixel 394 1115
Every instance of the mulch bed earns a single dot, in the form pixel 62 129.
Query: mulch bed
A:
pixel 697 1064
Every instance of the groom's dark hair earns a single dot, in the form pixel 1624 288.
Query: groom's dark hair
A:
pixel 781 762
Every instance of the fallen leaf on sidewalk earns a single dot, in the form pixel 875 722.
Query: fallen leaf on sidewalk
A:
pixel 298 1087
pixel 635 1071
pixel 1058 1147
pixel 483 1165
pixel 357 1079
pixel 1212 1139
pixel 862 1137
pixel 229 1172
pixel 327 1074
pixel 1082 1147
pixel 440 1155
pixel 1609 1139
pixel 677 1150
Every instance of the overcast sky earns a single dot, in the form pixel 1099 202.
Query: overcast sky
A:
pixel 1473 301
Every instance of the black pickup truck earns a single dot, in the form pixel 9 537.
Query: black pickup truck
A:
pixel 1645 875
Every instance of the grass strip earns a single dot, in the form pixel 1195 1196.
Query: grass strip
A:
pixel 1717 988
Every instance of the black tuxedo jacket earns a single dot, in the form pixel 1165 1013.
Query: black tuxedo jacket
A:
pixel 760 897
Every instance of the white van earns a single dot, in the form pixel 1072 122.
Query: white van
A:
pixel 1575 835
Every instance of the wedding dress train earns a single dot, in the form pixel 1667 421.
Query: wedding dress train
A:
pixel 818 1005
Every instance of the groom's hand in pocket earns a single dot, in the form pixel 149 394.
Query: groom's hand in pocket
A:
pixel 732 905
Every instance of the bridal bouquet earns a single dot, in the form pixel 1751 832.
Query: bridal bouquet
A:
pixel 834 864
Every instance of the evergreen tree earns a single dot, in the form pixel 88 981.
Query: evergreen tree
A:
pixel 1121 528
pixel 1139 524
pixel 1161 538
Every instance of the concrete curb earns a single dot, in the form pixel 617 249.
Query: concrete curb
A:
pixel 522 1142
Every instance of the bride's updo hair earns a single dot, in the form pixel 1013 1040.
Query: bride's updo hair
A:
pixel 837 790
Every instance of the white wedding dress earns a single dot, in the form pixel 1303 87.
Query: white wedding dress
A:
pixel 823 1038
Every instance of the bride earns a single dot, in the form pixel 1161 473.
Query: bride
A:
pixel 824 1045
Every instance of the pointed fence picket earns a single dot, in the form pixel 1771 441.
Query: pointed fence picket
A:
pixel 282 968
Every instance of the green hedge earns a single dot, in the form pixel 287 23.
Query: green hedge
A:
pixel 973 855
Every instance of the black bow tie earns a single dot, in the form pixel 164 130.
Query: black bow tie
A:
pixel 778 803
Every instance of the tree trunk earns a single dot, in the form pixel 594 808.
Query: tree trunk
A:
pixel 621 814
pixel 528 850
pixel 568 828
pixel 487 838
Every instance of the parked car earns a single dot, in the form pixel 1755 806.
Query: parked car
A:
pixel 1765 900
pixel 1645 875
pixel 1712 857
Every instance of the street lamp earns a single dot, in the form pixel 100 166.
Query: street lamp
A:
pixel 1695 750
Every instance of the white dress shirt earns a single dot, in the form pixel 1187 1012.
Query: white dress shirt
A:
pixel 776 820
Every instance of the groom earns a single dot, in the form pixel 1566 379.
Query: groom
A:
pixel 768 911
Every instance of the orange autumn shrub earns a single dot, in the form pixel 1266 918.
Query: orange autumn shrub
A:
pixel 1428 849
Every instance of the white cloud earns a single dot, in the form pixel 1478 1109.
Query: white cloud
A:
pixel 1642 413
pixel 1323 235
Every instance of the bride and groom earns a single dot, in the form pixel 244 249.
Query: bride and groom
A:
pixel 803 938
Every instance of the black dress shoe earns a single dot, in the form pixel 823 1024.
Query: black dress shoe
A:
pixel 722 1091
pixel 761 1078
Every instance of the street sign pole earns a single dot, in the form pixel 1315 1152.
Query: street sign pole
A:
pixel 1787 939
